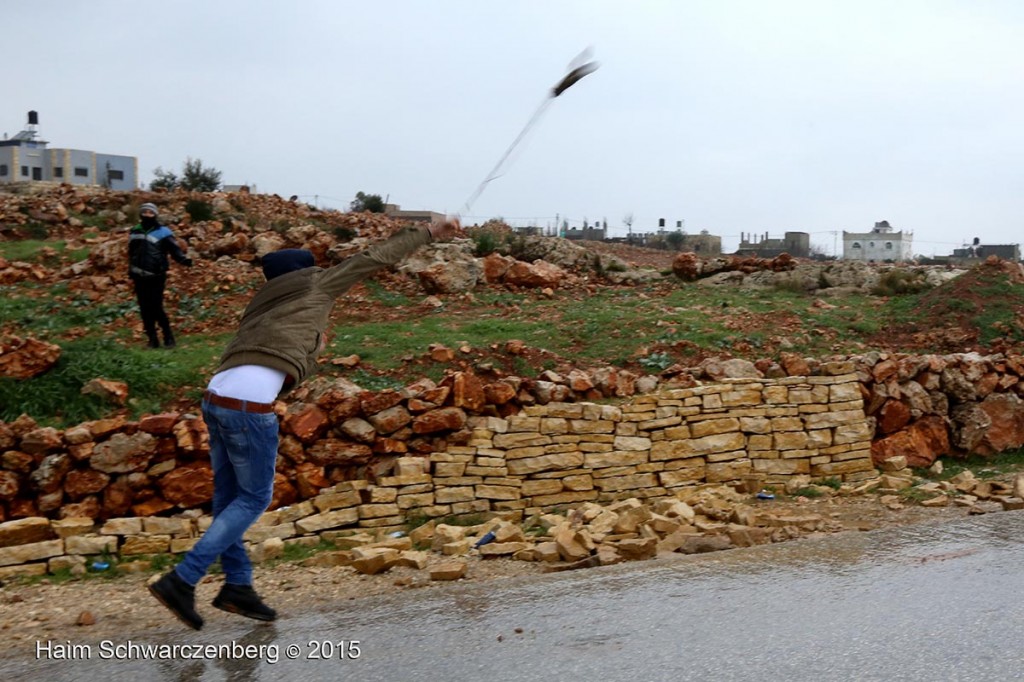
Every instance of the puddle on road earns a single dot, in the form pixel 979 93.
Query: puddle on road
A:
pixel 776 606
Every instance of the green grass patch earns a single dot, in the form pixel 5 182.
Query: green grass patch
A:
pixel 916 494
pixel 93 220
pixel 151 376
pixel 999 315
pixel 44 314
pixel 298 552
pixel 386 298
pixel 384 344
pixel 30 250
pixel 373 382
pixel 994 466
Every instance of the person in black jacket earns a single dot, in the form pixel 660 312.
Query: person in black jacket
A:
pixel 149 244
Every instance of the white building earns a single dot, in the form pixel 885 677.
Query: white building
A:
pixel 26 158
pixel 879 245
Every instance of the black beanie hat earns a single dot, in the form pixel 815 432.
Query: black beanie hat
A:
pixel 277 263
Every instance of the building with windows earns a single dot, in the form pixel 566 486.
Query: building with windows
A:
pixel 979 252
pixel 26 158
pixel 880 245
pixel 395 211
pixel 797 244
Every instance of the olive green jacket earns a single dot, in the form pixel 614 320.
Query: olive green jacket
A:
pixel 283 325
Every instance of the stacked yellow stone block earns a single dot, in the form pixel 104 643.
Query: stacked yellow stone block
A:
pixel 562 454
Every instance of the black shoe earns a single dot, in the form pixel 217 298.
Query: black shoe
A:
pixel 244 601
pixel 153 342
pixel 178 596
pixel 169 342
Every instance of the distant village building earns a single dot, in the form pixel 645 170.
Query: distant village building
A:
pixel 979 251
pixel 529 230
pixel 597 233
pixel 879 245
pixel 25 158
pixel 395 211
pixel 703 244
pixel 797 244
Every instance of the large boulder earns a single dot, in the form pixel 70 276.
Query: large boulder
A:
pixel 26 358
pixel 536 275
pixel 921 443
pixel 560 252
pixel 993 425
pixel 188 486
pixel 123 454
pixel 446 267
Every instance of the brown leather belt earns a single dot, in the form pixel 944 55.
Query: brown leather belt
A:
pixel 236 404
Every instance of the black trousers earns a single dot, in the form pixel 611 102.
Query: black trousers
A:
pixel 150 293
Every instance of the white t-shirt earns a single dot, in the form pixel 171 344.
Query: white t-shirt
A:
pixel 254 383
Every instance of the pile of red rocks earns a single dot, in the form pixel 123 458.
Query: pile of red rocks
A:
pixel 332 431
pixel 690 267
pixel 919 407
pixel 932 405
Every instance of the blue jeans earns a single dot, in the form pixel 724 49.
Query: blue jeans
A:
pixel 243 452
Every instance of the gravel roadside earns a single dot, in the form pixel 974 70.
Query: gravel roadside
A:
pixel 121 606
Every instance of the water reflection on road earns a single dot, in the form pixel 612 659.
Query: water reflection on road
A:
pixel 927 601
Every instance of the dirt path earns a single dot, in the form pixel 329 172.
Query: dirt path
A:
pixel 31 612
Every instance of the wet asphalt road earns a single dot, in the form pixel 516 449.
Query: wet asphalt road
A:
pixel 933 602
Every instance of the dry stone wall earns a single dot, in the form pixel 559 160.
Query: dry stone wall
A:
pixel 738 432
pixel 562 454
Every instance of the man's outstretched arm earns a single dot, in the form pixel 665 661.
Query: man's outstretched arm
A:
pixel 338 279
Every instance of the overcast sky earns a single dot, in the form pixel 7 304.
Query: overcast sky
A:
pixel 733 116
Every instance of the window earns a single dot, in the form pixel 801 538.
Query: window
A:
pixel 58 172
pixel 888 246
pixel 81 172
pixel 115 175
pixel 856 245
pixel 24 171
pixel 3 169
pixel 871 245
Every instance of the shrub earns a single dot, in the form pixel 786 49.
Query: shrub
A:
pixel 369 203
pixel 343 233
pixel 199 210
pixel 485 243
pixel 196 178
pixel 658 361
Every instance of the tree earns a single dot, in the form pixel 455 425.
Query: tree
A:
pixel 627 220
pixel 164 180
pixel 194 178
pixel 675 239
pixel 368 203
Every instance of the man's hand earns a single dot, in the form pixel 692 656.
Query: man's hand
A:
pixel 444 231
